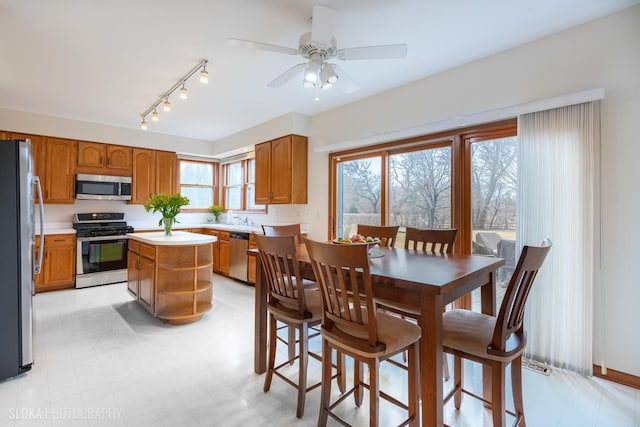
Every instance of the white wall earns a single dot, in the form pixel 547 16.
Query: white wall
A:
pixel 604 53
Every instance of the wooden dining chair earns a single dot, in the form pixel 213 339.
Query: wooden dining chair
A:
pixel 386 234
pixel 430 239
pixel 287 230
pixel 495 341
pixel 283 230
pixel 290 303
pixel 352 325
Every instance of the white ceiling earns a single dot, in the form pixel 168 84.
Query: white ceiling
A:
pixel 107 61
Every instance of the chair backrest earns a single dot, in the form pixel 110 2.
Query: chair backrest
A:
pixel 349 311
pixel 282 271
pixel 509 334
pixel 432 240
pixel 283 230
pixel 507 250
pixel 387 234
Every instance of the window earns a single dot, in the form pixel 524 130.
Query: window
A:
pixel 198 182
pixel 464 178
pixel 239 186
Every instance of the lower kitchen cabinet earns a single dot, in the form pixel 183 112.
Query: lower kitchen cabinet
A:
pixel 59 263
pixel 251 262
pixel 223 252
pixel 141 273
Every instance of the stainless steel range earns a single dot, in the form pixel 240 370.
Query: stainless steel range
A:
pixel 101 256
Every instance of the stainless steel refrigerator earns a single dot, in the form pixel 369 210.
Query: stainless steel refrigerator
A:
pixel 17 259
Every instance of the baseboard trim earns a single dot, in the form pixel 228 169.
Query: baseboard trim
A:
pixel 617 377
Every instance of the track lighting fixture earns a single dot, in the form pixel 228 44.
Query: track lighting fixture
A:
pixel 164 98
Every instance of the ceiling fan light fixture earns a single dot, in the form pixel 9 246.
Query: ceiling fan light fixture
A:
pixel 329 76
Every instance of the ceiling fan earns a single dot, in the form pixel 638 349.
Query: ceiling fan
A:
pixel 318 47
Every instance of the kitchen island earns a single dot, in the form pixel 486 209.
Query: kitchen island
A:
pixel 170 276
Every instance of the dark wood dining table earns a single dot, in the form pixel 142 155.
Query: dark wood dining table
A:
pixel 424 282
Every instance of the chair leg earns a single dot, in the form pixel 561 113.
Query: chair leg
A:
pixel 458 374
pixel 374 392
pixel 445 367
pixel 358 377
pixel 272 352
pixel 414 386
pixel 516 386
pixel 325 393
pixel 341 363
pixel 291 341
pixel 497 394
pixel 302 368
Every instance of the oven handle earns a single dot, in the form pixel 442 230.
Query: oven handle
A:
pixel 101 238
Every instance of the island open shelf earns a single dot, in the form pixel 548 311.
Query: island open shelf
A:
pixel 171 276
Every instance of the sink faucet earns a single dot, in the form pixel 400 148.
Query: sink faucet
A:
pixel 244 220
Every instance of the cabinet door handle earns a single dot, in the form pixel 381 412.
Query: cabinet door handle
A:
pixel 108 159
pixel 58 240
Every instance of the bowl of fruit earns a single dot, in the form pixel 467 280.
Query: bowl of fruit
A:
pixel 357 239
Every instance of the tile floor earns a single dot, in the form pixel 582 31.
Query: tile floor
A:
pixel 101 360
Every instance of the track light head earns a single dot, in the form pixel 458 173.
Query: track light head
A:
pixel 143 124
pixel 183 92
pixel 204 75
pixel 166 105
pixel 154 115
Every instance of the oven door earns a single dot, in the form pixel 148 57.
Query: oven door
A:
pixel 98 254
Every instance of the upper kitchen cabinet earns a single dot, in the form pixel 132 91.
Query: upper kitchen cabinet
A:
pixel 281 171
pixel 153 172
pixel 98 158
pixel 59 162
pixel 143 175
pixel 166 163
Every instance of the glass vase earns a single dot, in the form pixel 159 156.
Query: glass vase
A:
pixel 168 222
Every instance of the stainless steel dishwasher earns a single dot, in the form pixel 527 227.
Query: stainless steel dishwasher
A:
pixel 238 258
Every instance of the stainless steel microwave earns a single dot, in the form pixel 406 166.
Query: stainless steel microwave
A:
pixel 103 187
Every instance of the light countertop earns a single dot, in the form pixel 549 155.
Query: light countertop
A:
pixel 177 238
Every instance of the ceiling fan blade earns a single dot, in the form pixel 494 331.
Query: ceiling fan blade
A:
pixel 344 81
pixel 389 51
pixel 286 76
pixel 322 24
pixel 263 46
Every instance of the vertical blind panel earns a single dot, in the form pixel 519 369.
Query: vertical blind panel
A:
pixel 557 180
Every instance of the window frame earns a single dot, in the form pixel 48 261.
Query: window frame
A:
pixel 214 186
pixel 244 164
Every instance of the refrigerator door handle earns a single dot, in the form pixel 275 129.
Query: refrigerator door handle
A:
pixel 37 268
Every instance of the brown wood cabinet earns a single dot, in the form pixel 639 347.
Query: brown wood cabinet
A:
pixel 98 158
pixel 281 171
pixel 153 172
pixel 59 170
pixel 223 252
pixel 143 175
pixel 59 263
pixel 166 173
pixel 251 262
pixel 141 273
